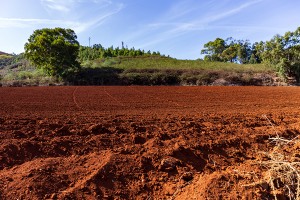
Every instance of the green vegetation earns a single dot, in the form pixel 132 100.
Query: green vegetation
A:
pixel 170 63
pixel 53 50
pixel 5 60
pixel 57 58
pixel 141 70
pixel 230 50
pixel 281 52
pixel 19 72
pixel 98 51
pixel 158 70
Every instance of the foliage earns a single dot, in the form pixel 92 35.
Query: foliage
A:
pixel 155 70
pixel 30 77
pixel 214 49
pixel 12 61
pixel 281 52
pixel 284 53
pixel 5 60
pixel 229 50
pixel 99 52
pixel 171 63
pixel 138 70
pixel 53 50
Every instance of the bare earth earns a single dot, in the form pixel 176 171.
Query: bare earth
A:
pixel 139 142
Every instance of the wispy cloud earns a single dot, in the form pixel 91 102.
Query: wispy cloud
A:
pixel 58 5
pixel 96 21
pixel 169 29
pixel 230 12
pixel 67 6
pixel 180 10
pixel 23 23
pixel 200 24
pixel 104 11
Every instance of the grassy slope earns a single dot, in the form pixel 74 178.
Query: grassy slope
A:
pixel 168 71
pixel 144 70
pixel 174 64
pixel 15 71
pixel 169 63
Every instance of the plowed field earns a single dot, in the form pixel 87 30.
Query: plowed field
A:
pixel 147 143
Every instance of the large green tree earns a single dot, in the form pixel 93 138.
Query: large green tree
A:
pixel 53 50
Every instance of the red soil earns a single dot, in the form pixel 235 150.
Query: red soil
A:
pixel 140 142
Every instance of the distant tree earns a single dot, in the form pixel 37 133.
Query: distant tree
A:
pixel 230 54
pixel 214 50
pixel 284 53
pixel 54 50
pixel 257 50
pixel 87 53
pixel 229 50
pixel 244 51
pixel 253 59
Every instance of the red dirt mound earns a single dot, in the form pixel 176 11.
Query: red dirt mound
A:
pixel 143 142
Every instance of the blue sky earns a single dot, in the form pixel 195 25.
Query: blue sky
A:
pixel 178 28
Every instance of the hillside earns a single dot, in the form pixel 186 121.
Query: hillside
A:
pixel 142 70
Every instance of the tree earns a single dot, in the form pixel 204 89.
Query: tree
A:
pixel 284 53
pixel 214 50
pixel 230 54
pixel 229 50
pixel 257 50
pixel 244 51
pixel 53 50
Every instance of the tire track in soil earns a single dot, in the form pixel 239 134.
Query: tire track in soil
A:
pixel 74 99
pixel 113 98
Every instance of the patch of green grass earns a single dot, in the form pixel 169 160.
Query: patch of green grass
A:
pixel 27 77
pixel 151 70
pixel 174 64
pixel 5 56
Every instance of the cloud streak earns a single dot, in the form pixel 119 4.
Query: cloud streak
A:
pixel 171 29
pixel 230 12
pixel 67 6
pixel 23 23
pixel 81 27
pixel 79 24
pixel 58 5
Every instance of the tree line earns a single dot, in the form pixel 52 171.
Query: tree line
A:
pixel 98 51
pixel 58 52
pixel 281 51
pixel 230 50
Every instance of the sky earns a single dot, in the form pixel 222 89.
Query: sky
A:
pixel 178 28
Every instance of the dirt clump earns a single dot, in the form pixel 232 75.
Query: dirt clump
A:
pixel 146 142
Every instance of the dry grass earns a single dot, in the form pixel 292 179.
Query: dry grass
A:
pixel 280 168
pixel 283 169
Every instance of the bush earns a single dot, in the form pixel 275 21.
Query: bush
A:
pixel 23 75
pixel 136 78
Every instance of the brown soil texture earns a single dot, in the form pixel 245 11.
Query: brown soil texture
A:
pixel 138 142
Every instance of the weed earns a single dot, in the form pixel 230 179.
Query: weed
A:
pixel 280 167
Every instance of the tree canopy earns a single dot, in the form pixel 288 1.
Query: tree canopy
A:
pixel 282 52
pixel 229 50
pixel 54 50
pixel 98 51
